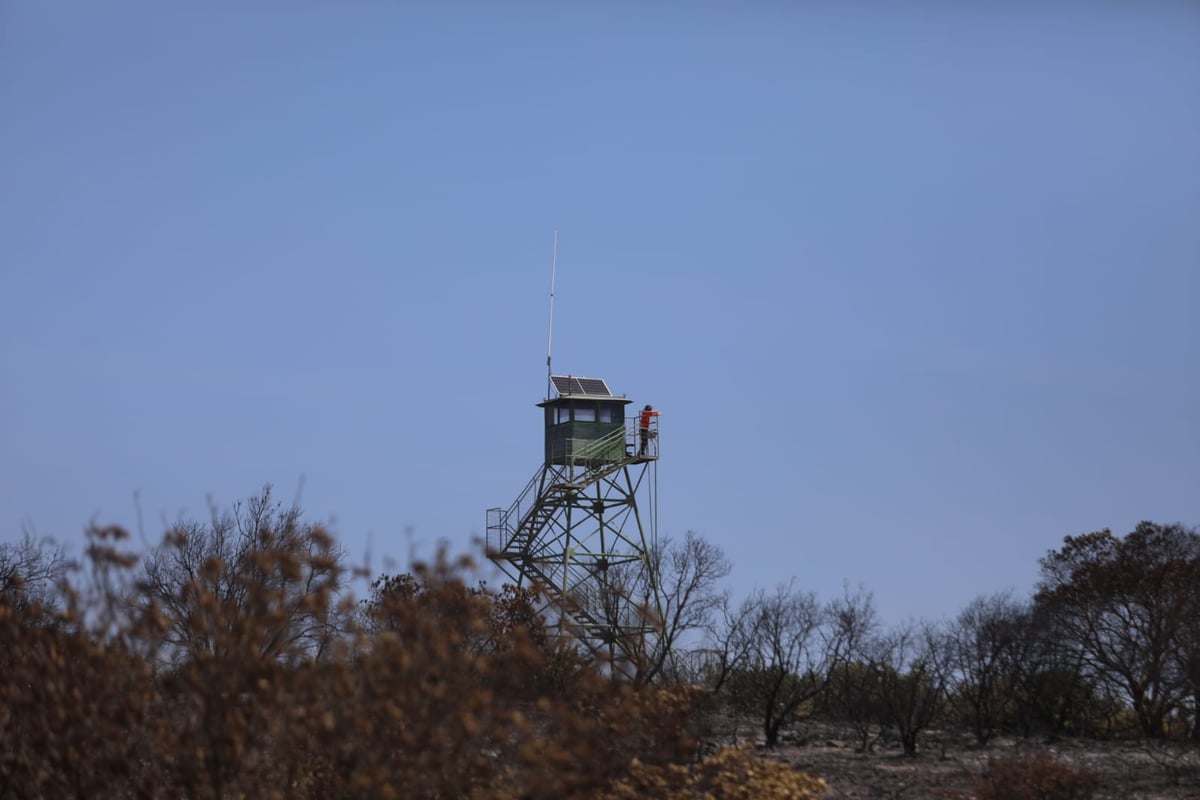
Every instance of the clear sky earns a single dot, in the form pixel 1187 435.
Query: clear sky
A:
pixel 916 286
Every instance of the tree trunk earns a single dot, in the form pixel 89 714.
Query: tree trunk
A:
pixel 1196 716
pixel 982 732
pixel 771 731
pixel 1151 716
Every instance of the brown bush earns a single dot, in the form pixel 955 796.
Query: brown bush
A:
pixel 732 773
pixel 1037 777
pixel 128 687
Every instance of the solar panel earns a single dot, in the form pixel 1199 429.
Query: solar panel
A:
pixel 594 386
pixel 569 384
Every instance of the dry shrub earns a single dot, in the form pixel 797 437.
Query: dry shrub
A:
pixel 732 773
pixel 212 684
pixel 1037 777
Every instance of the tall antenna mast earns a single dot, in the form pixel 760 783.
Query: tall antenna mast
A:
pixel 550 335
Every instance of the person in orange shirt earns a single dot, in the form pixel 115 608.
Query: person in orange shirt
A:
pixel 644 426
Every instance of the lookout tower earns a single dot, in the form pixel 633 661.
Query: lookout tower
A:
pixel 576 530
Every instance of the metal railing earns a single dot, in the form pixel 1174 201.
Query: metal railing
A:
pixel 592 452
pixel 500 529
pixel 634 442
pixel 594 455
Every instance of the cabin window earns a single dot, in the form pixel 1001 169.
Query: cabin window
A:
pixel 585 412
pixel 608 413
pixel 562 415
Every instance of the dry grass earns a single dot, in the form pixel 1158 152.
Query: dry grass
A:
pixel 952 766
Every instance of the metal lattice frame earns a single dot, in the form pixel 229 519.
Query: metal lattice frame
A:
pixel 577 533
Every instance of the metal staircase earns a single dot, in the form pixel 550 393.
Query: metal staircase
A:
pixel 511 530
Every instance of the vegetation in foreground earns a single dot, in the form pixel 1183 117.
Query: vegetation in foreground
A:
pixel 225 664
pixel 230 662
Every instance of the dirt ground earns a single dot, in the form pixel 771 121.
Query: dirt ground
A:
pixel 948 765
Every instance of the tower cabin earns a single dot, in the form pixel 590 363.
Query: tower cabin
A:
pixel 585 424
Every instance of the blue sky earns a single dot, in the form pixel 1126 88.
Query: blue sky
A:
pixel 916 290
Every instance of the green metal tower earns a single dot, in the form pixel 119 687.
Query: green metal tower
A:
pixel 576 530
